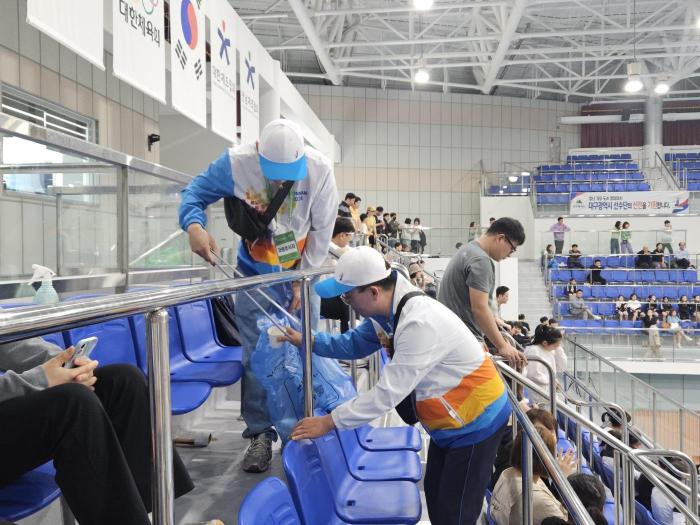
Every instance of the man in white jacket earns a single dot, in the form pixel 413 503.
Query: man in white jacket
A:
pixel 249 176
pixel 460 398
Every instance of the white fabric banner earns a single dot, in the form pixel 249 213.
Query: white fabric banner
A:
pixel 76 24
pixel 139 45
pixel 630 203
pixel 250 89
pixel 222 31
pixel 188 80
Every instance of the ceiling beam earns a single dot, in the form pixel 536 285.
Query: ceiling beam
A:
pixel 406 8
pixel 318 45
pixel 508 33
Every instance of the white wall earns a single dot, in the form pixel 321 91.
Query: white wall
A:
pixel 518 208
pixel 418 153
pixel 507 275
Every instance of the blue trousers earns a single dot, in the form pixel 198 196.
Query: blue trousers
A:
pixel 253 396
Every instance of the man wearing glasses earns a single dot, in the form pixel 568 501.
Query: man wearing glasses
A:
pixel 469 280
pixel 460 398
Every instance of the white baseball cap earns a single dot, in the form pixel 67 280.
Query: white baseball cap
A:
pixel 281 151
pixel 356 267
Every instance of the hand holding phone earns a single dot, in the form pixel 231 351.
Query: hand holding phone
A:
pixel 83 348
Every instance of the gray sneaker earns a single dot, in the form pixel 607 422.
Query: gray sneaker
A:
pixel 259 454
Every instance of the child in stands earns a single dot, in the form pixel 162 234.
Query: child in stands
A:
pixel 571 288
pixel 684 308
pixel 634 307
pixel 621 307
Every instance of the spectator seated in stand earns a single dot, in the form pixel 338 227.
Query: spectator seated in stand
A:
pixel 657 256
pixel 591 492
pixel 644 258
pixel 579 309
pixel 524 324
pixel 595 276
pixel 634 308
pixel 571 288
pixel 621 308
pixel 574 260
pixel 682 257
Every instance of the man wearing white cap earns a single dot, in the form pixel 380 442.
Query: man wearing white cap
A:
pixel 460 398
pixel 280 197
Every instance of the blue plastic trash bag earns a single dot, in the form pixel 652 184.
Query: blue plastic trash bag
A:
pixel 280 370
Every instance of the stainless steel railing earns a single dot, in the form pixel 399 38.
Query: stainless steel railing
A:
pixel 34 321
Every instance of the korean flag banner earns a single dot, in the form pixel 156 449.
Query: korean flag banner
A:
pixel 222 32
pixel 188 84
pixel 139 45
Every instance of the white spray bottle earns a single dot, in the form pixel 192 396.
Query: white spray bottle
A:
pixel 46 293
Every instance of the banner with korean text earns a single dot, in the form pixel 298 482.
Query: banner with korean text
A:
pixel 76 24
pixel 139 45
pixel 188 80
pixel 250 87
pixel 222 31
pixel 630 203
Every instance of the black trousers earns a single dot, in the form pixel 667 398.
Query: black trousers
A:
pixel 335 308
pixel 99 441
pixel 456 480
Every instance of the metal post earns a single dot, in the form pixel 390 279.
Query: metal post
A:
pixel 616 485
pixel 653 417
pixel 579 448
pixel 59 236
pixel 681 429
pixel 307 346
pixel 123 223
pixel 353 362
pixel 159 397
pixel 526 451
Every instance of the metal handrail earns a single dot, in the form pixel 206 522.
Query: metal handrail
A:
pixel 653 472
pixel 530 438
pixel 24 322
pixel 631 377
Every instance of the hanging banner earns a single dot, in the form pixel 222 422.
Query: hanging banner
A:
pixel 630 203
pixel 139 45
pixel 250 89
pixel 76 24
pixel 222 29
pixel 188 80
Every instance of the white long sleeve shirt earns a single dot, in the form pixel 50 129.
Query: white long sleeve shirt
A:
pixel 537 372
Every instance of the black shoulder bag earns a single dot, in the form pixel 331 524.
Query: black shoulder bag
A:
pixel 247 222
pixel 407 407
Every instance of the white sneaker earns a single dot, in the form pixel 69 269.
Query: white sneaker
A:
pixel 596 317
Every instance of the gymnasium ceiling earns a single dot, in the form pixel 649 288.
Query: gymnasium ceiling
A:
pixel 575 50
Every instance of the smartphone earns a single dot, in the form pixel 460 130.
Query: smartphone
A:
pixel 83 348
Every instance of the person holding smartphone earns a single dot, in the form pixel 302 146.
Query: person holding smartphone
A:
pixel 94 423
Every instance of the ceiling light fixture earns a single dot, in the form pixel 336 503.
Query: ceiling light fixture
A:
pixel 422 76
pixel 697 23
pixel 422 5
pixel 634 79
pixel 662 87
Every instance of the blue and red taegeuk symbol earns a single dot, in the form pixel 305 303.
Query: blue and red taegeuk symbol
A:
pixel 188 19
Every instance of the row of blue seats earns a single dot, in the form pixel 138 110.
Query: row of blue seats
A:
pixel 198 362
pixel 694 186
pixel 591 325
pixel 690 155
pixel 629 276
pixel 604 309
pixel 685 165
pixel 588 166
pixel 593 176
pixel 613 292
pixel 690 176
pixel 608 261
pixel 365 475
pixel 611 156
pixel 579 187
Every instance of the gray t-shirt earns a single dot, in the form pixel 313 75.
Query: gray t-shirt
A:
pixel 470 267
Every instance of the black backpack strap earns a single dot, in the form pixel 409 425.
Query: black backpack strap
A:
pixel 401 304
pixel 276 202
pixel 407 407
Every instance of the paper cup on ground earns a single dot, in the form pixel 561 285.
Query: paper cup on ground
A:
pixel 275 335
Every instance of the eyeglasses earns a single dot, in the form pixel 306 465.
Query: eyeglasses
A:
pixel 513 247
pixel 345 297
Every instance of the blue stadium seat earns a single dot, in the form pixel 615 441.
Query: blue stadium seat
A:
pixel 29 493
pixel 642 516
pixel 612 261
pixel 607 309
pixel 579 275
pixel 117 345
pixel 365 465
pixel 198 334
pixel 389 438
pixel 586 291
pixel 619 276
pixel 658 291
pixel 671 292
pixel 611 292
pixel 57 339
pixel 648 276
pixel 592 324
pixel 690 276
pixel 269 503
pixel 611 323
pixel 325 493
pixel 598 292
pixel 561 275
pixel 564 309
pixel 181 368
